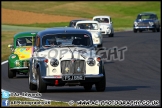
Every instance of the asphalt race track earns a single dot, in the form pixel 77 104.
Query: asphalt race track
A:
pixel 135 78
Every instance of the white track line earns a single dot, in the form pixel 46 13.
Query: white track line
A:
pixel 4 62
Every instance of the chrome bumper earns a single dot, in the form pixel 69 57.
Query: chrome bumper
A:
pixel 107 31
pixel 60 76
pixel 19 68
pixel 143 27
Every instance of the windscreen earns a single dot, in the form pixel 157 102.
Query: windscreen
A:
pixel 24 41
pixel 87 26
pixel 102 20
pixel 82 40
pixel 145 17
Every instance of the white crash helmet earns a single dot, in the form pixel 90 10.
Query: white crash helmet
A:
pixel 21 42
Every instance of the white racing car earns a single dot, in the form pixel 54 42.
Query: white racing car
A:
pixel 65 57
pixel 94 28
pixel 105 25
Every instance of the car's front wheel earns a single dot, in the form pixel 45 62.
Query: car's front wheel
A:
pixel 41 86
pixel 31 86
pixel 101 85
pixel 158 29
pixel 135 30
pixel 99 46
pixel 11 74
pixel 111 35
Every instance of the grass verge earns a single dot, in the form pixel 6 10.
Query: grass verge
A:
pixel 7 38
pixel 86 9
pixel 123 14
pixel 43 25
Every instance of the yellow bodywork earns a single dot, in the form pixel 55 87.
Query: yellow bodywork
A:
pixel 24 52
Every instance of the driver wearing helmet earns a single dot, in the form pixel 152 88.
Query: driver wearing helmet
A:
pixel 51 41
pixel 21 42
pixel 88 26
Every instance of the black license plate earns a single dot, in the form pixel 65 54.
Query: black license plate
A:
pixel 73 77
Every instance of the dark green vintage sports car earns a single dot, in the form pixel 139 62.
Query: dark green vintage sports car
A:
pixel 21 52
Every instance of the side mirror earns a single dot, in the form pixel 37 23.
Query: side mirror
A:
pixel 35 49
pixel 111 22
pixel 12 47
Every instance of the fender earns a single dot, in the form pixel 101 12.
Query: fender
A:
pixel 42 67
pixel 11 60
pixel 101 67
pixel 30 64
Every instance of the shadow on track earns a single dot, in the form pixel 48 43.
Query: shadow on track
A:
pixel 81 90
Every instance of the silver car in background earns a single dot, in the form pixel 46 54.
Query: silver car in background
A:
pixel 105 25
pixel 94 28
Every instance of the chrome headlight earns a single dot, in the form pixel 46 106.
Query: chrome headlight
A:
pixel 17 63
pixel 54 62
pixel 135 23
pixel 108 27
pixel 91 62
pixel 13 56
pixel 96 35
pixel 151 23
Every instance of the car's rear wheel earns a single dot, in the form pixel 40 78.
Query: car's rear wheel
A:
pixel 11 74
pixel 41 86
pixel 88 87
pixel 31 86
pixel 101 85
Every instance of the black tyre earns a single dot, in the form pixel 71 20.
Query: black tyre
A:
pixel 111 35
pixel 41 86
pixel 31 86
pixel 88 87
pixel 135 30
pixel 158 29
pixel 99 46
pixel 101 85
pixel 11 74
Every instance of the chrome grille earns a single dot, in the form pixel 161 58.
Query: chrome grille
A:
pixel 77 67
pixel 25 63
pixel 143 24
